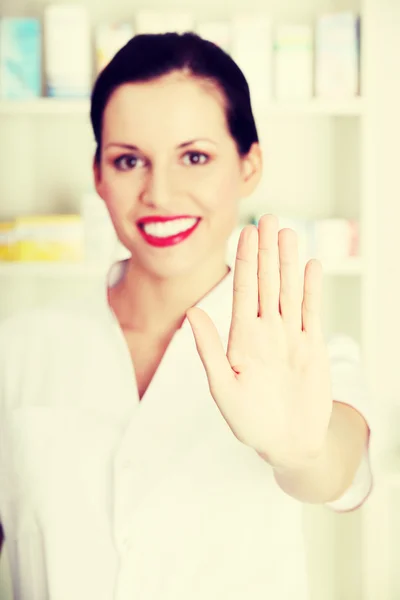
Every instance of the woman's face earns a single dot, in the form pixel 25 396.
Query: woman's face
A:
pixel 170 173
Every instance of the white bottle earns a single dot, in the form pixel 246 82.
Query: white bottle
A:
pixel 164 21
pixel 252 50
pixel 337 60
pixel 293 62
pixel 67 51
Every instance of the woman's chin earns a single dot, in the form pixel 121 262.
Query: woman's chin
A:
pixel 175 262
pixel 168 267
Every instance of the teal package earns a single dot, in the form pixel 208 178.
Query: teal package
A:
pixel 20 59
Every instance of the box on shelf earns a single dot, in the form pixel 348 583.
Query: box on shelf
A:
pixel 20 59
pixel 252 50
pixel 101 241
pixel 218 32
pixel 49 238
pixel 7 241
pixel 109 40
pixel 154 21
pixel 337 55
pixel 335 239
pixel 67 50
pixel 293 62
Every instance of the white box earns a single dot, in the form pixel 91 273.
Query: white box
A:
pixel 336 239
pixel 252 50
pixel 109 40
pixel 337 55
pixel 154 21
pixel 293 62
pixel 20 59
pixel 67 51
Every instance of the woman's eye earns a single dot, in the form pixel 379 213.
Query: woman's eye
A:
pixel 128 162
pixel 195 158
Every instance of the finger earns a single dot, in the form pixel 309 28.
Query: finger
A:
pixel 210 349
pixel 312 298
pixel 245 286
pixel 268 266
pixel 290 286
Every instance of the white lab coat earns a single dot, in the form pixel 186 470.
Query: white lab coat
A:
pixel 106 498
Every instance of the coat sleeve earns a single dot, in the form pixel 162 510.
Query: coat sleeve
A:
pixel 348 386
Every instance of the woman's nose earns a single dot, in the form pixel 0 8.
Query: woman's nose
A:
pixel 157 189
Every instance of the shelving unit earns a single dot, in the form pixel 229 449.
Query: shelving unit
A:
pixel 307 146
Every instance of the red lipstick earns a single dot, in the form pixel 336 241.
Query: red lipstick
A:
pixel 162 241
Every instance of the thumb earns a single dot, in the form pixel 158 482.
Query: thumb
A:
pixel 210 349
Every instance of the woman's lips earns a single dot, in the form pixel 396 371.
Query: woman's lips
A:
pixel 159 238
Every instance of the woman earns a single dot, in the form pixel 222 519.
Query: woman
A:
pixel 159 443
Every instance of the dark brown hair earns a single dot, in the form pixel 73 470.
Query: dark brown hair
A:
pixel 147 57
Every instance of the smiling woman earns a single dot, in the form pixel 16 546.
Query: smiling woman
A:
pixel 177 142
pixel 160 442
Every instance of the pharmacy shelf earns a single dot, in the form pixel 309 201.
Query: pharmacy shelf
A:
pixel 350 267
pixel 52 269
pixel 45 106
pixel 52 106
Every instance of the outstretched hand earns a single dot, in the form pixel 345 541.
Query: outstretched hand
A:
pixel 272 385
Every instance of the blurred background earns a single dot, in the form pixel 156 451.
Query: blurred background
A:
pixel 325 83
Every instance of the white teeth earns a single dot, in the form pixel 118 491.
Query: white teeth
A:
pixel 169 228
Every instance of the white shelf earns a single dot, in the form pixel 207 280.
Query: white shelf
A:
pixel 350 267
pixel 51 269
pixel 44 106
pixel 52 106
pixel 316 106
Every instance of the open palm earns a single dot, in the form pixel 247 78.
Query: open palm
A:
pixel 272 385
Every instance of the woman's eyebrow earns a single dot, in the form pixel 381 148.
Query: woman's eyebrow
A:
pixel 122 145
pixel 136 148
pixel 190 142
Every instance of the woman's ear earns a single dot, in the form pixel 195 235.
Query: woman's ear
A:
pixel 252 166
pixel 97 177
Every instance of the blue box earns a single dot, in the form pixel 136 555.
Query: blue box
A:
pixel 20 59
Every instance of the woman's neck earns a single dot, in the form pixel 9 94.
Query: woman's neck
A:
pixel 146 304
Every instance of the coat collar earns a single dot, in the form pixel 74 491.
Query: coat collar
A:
pixel 217 303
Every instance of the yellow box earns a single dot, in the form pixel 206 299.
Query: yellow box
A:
pixel 49 238
pixel 7 241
